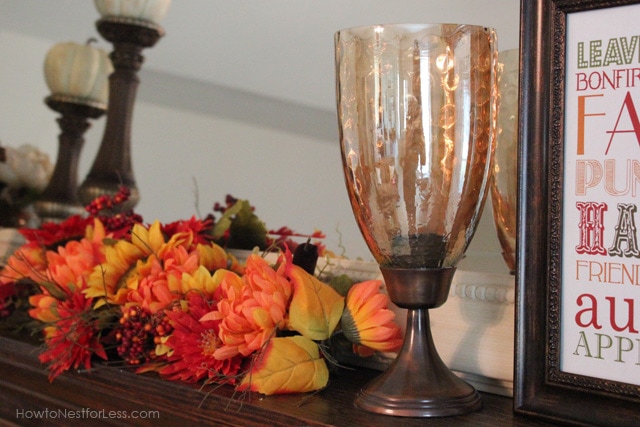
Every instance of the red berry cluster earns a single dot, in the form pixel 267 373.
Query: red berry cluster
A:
pixel 105 209
pixel 106 202
pixel 138 333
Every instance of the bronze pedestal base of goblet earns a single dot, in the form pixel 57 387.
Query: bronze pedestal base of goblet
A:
pixel 418 383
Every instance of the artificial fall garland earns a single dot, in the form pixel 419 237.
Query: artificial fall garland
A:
pixel 170 298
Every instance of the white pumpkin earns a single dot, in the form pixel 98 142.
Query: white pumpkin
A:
pixel 144 10
pixel 78 71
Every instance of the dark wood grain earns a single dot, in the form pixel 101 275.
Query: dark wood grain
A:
pixel 24 387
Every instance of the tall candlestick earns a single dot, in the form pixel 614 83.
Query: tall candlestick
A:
pixel 77 78
pixel 112 167
pixel 59 200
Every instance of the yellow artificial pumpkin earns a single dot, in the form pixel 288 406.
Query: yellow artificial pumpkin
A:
pixel 80 72
pixel 144 10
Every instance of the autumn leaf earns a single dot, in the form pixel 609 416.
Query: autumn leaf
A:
pixel 224 222
pixel 287 365
pixel 315 308
pixel 245 229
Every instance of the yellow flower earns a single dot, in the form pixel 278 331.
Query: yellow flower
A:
pixel 214 257
pixel 177 268
pixel 108 281
pixel 367 320
pixel 201 280
pixel 43 305
pixel 202 269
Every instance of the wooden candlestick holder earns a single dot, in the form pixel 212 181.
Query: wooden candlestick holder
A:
pixel 59 200
pixel 112 166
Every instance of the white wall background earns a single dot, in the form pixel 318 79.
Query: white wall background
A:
pixel 292 178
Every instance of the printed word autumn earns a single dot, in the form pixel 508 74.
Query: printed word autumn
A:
pixel 620 316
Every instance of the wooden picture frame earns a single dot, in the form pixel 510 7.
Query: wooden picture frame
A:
pixel 561 374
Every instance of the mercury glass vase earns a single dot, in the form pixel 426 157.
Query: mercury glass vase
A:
pixel 416 113
pixel 504 187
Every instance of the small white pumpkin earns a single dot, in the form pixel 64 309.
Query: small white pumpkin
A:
pixel 78 71
pixel 145 10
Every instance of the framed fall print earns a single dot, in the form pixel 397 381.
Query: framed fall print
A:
pixel 578 268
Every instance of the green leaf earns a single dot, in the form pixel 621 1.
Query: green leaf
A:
pixel 223 224
pixel 54 290
pixel 246 230
pixel 341 284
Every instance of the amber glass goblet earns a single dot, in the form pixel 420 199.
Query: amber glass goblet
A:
pixel 504 186
pixel 416 113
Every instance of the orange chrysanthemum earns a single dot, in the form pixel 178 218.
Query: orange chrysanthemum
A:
pixel 271 289
pixel 72 263
pixel 158 281
pixel 150 289
pixel 24 267
pixel 73 330
pixel 250 308
pixel 366 319
pixel 27 262
pixel 67 272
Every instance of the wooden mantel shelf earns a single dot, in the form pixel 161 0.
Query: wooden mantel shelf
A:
pixel 25 389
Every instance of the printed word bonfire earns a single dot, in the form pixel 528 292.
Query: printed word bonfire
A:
pixel 168 298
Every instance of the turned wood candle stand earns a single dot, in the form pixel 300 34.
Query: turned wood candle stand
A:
pixel 59 200
pixel 112 167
